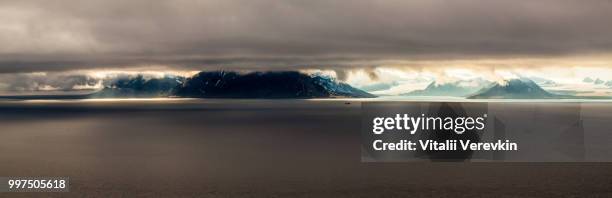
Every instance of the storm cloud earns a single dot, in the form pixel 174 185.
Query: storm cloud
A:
pixel 190 34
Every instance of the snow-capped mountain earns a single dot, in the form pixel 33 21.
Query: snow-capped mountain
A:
pixel 458 88
pixel 522 88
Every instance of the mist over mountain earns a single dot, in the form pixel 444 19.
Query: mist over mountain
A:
pixel 543 81
pixel 287 84
pixel 458 88
pixel 522 88
pixel 140 87
pixel 379 86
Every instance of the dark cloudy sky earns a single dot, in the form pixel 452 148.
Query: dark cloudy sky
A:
pixel 190 34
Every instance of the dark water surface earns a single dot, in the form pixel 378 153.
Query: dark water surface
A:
pixel 250 148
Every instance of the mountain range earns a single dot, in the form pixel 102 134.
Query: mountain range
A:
pixel 140 87
pixel 522 88
pixel 459 88
pixel 222 84
pixel 292 84
pixel 284 84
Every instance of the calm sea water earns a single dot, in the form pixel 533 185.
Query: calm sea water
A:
pixel 192 147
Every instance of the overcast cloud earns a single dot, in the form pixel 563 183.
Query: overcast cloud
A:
pixel 189 34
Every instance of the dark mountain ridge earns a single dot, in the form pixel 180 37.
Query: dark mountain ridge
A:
pixel 282 84
pixel 140 87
